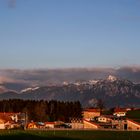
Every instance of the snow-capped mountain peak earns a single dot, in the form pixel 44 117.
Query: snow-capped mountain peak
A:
pixel 112 78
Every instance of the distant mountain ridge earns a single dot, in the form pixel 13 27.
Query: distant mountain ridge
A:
pixel 17 80
pixel 113 91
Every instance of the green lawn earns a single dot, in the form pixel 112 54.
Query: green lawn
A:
pixel 69 135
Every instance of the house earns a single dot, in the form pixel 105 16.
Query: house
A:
pixel 8 120
pixel 120 112
pixel 105 118
pixel 77 124
pixel 31 125
pixel 2 124
pixel 89 114
pixel 35 125
pixel 90 125
pixel 40 125
pixel 49 124
pixel 133 125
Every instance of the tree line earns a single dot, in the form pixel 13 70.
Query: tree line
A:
pixel 44 110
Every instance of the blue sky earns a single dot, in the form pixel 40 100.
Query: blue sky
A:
pixel 69 33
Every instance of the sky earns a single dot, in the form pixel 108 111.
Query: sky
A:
pixel 69 33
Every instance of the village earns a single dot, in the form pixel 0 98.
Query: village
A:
pixel 92 118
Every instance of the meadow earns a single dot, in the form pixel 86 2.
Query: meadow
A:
pixel 68 135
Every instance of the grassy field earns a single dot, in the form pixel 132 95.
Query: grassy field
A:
pixel 68 135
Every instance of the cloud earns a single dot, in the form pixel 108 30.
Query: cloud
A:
pixel 2 89
pixel 130 73
pixel 43 77
pixel 6 80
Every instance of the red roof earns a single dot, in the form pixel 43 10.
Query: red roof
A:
pixel 49 122
pixel 107 116
pixel 92 110
pixel 8 113
pixel 120 110
pixel 6 116
pixel 134 121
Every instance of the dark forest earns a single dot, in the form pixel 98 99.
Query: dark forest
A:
pixel 43 110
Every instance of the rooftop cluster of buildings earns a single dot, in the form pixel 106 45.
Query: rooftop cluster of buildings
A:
pixel 92 119
pixel 12 120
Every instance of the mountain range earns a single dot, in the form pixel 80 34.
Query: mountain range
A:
pixel 17 80
pixel 113 91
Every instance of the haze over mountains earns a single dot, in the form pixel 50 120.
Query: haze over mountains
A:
pixel 17 80
pixel 85 85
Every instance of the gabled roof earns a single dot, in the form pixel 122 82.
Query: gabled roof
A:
pixel 135 122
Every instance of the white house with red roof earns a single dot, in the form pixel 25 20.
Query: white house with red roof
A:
pixel 120 112
pixel 105 118
pixel 49 124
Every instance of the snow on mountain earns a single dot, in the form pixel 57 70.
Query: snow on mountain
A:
pixel 112 78
pixel 92 82
pixel 29 89
pixel 120 92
